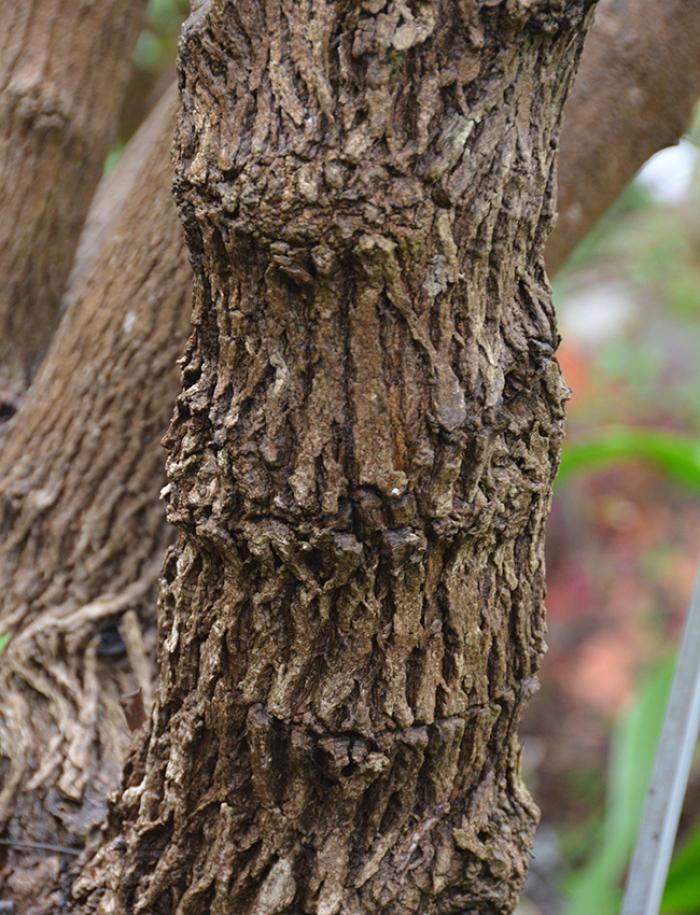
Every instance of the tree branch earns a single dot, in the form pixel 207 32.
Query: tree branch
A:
pixel 84 532
pixel 638 83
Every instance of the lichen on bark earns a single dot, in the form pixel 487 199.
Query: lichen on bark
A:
pixel 360 464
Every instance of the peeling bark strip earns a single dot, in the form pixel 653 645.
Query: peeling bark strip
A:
pixel 360 464
pixel 63 71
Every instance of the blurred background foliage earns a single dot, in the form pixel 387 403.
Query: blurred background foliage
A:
pixel 625 526
pixel 622 542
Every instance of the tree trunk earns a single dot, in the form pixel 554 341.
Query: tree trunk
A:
pixel 63 70
pixel 114 301
pixel 360 465
pixel 83 538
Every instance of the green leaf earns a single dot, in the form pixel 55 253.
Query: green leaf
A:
pixel 4 639
pixel 682 893
pixel 113 156
pixel 148 52
pixel 676 455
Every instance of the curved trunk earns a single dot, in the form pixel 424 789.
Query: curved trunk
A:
pixel 83 536
pixel 637 86
pixel 360 465
pixel 63 70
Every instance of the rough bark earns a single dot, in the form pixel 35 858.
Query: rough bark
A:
pixel 360 465
pixel 83 537
pixel 63 70
pixel 637 85
pixel 141 519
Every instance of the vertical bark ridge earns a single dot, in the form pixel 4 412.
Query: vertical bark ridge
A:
pixel 84 534
pixel 360 464
pixel 63 71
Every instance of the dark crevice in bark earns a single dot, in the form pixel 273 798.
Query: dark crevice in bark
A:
pixel 605 48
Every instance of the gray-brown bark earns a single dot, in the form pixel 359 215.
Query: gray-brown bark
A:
pixel 63 70
pixel 360 465
pixel 637 85
pixel 83 538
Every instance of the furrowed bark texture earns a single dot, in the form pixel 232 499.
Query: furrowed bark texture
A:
pixel 168 288
pixel 168 283
pixel 83 538
pixel 638 83
pixel 360 465
pixel 63 70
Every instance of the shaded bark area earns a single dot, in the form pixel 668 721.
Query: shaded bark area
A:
pixel 63 70
pixel 360 465
pixel 637 86
pixel 121 188
pixel 83 537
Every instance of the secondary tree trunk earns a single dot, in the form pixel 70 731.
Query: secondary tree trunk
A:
pixel 63 70
pixel 83 537
pixel 122 188
pixel 360 465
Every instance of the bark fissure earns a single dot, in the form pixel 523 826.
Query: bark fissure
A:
pixel 161 310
